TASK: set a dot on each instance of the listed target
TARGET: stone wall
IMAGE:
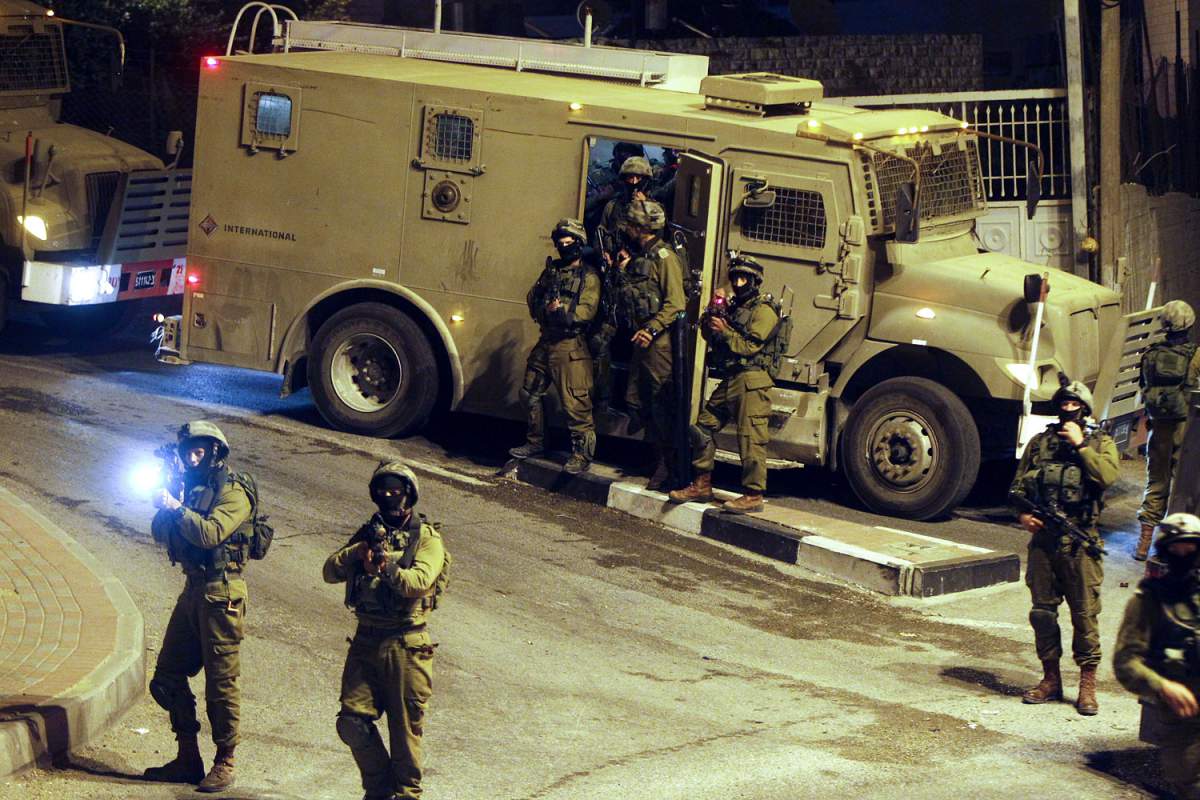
(849, 65)
(1160, 230)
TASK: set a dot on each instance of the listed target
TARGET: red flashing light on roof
(193, 279)
(211, 62)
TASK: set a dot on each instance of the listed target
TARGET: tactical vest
(640, 297)
(231, 554)
(565, 283)
(1058, 476)
(373, 594)
(1174, 642)
(1164, 375)
(725, 363)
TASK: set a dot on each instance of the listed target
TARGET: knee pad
(166, 692)
(356, 731)
(1042, 617)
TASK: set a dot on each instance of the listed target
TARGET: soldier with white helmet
(1157, 655)
(203, 530)
(394, 567)
(1170, 370)
(1068, 466)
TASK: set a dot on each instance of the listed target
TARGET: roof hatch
(760, 93)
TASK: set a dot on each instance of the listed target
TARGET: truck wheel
(910, 449)
(372, 371)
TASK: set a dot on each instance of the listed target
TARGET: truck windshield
(951, 184)
(31, 60)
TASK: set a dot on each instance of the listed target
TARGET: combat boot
(220, 777)
(699, 490)
(527, 450)
(1143, 545)
(749, 503)
(1048, 689)
(660, 477)
(186, 767)
(1087, 704)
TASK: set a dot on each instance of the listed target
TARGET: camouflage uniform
(1156, 643)
(207, 537)
(1167, 429)
(1058, 569)
(389, 667)
(649, 296)
(561, 357)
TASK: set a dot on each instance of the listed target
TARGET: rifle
(681, 466)
(1054, 518)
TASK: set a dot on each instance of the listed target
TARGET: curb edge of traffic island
(806, 547)
(47, 730)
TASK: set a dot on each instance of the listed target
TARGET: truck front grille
(101, 186)
(950, 180)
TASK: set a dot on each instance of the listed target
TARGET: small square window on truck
(271, 118)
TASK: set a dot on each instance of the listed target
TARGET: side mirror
(1033, 187)
(908, 228)
(1036, 288)
(173, 148)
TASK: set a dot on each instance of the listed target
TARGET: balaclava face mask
(569, 249)
(395, 508)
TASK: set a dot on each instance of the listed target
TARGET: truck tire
(372, 371)
(910, 449)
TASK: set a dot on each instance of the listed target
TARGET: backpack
(1164, 372)
(776, 345)
(256, 540)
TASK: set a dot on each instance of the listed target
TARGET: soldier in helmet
(392, 567)
(1156, 655)
(636, 176)
(649, 296)
(1169, 372)
(604, 182)
(202, 529)
(738, 355)
(563, 301)
(1069, 464)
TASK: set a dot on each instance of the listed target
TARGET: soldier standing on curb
(1170, 370)
(206, 626)
(740, 357)
(650, 294)
(394, 567)
(1067, 466)
(1156, 656)
(563, 301)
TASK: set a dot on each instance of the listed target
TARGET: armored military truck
(85, 220)
(371, 205)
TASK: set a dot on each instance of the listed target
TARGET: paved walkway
(71, 650)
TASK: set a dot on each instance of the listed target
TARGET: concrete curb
(35, 728)
(886, 560)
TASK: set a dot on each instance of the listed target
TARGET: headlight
(35, 225)
(86, 284)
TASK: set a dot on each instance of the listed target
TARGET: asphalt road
(583, 654)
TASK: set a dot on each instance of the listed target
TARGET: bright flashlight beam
(145, 478)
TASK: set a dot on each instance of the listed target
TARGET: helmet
(1072, 390)
(1177, 316)
(202, 429)
(645, 214)
(746, 265)
(636, 165)
(569, 227)
(1178, 527)
(396, 469)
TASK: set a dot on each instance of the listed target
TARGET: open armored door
(696, 228)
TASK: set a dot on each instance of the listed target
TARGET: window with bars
(797, 219)
(32, 61)
(452, 138)
(273, 114)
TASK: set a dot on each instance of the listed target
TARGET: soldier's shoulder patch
(663, 253)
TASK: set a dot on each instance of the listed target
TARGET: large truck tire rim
(910, 448)
(366, 372)
(903, 451)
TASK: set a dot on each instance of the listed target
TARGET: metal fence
(1037, 116)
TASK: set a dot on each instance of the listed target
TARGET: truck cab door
(695, 228)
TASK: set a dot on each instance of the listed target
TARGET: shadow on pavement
(982, 678)
(1135, 766)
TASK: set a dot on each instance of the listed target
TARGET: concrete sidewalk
(883, 559)
(72, 657)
